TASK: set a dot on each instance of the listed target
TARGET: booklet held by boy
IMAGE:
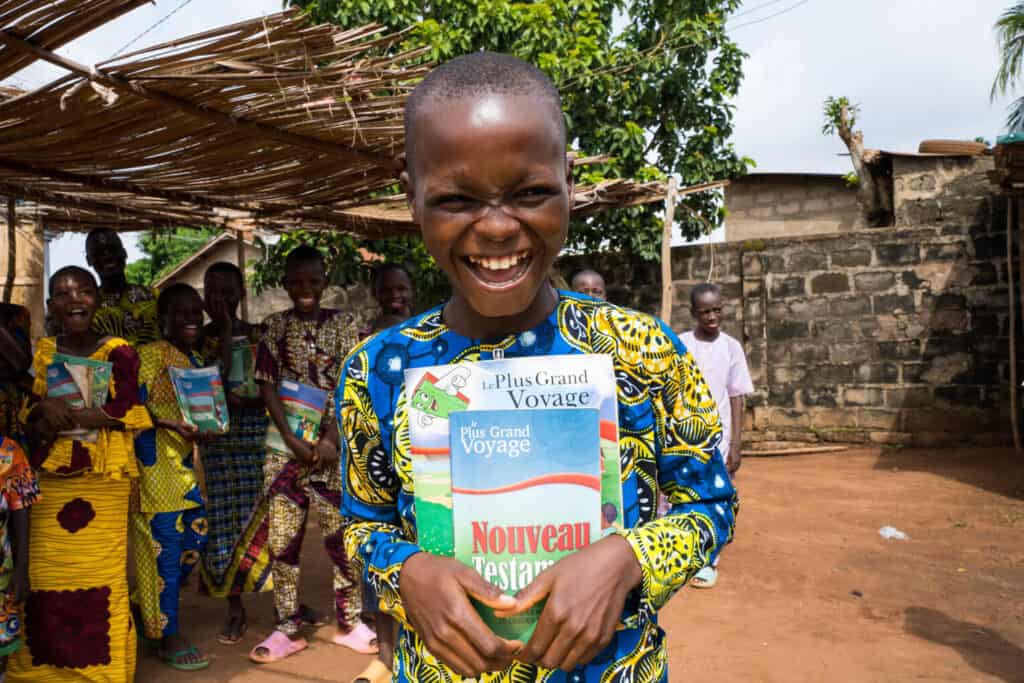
(303, 408)
(200, 394)
(559, 382)
(526, 492)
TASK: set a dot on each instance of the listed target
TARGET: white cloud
(919, 68)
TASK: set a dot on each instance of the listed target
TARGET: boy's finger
(539, 642)
(538, 589)
(486, 592)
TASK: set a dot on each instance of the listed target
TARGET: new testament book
(303, 408)
(200, 394)
(526, 492)
(100, 373)
(557, 382)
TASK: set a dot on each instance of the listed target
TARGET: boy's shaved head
(478, 74)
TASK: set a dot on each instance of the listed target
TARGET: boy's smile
(305, 284)
(489, 185)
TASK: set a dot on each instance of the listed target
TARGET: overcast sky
(919, 69)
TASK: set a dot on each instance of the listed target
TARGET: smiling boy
(488, 183)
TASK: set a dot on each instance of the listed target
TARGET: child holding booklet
(488, 183)
(237, 558)
(78, 571)
(305, 345)
(168, 531)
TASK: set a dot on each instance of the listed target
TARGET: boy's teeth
(498, 262)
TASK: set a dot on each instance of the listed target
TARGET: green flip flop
(174, 660)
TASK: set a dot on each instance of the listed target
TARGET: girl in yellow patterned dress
(168, 532)
(79, 561)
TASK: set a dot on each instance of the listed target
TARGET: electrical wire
(181, 6)
(755, 8)
(770, 16)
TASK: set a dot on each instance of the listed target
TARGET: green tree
(1010, 37)
(647, 81)
(164, 250)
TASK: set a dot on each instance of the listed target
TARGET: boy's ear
(410, 194)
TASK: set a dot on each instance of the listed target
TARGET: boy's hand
(302, 450)
(435, 593)
(585, 592)
(735, 458)
(20, 585)
(327, 452)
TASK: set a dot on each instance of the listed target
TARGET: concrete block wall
(787, 205)
(894, 335)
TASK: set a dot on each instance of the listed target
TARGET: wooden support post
(240, 257)
(1012, 220)
(666, 252)
(12, 250)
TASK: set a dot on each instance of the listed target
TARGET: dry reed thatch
(272, 122)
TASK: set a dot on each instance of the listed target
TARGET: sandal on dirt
(311, 617)
(279, 646)
(174, 660)
(232, 634)
(377, 672)
(705, 578)
(360, 639)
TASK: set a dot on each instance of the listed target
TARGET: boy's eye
(453, 202)
(534, 195)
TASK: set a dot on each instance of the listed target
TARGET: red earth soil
(808, 591)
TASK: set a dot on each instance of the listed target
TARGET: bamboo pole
(12, 250)
(666, 252)
(1012, 218)
(240, 257)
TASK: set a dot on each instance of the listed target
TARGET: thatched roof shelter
(273, 122)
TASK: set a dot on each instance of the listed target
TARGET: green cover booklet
(526, 492)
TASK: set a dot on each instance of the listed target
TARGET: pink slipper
(361, 639)
(279, 646)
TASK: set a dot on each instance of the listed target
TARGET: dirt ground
(809, 590)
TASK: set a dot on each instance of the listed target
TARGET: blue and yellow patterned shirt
(669, 433)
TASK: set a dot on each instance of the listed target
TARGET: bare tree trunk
(874, 190)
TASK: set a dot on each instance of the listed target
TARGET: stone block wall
(768, 205)
(894, 335)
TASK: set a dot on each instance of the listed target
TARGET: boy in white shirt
(724, 366)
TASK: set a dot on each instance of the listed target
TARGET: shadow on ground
(982, 648)
(997, 470)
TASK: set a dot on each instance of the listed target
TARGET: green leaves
(834, 111)
(647, 81)
(165, 250)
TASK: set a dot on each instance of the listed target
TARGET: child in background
(15, 360)
(305, 344)
(19, 489)
(591, 283)
(79, 558)
(168, 531)
(724, 366)
(237, 556)
(488, 182)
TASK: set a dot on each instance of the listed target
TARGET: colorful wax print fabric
(669, 434)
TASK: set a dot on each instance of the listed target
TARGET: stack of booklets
(200, 394)
(82, 383)
(515, 465)
(303, 408)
